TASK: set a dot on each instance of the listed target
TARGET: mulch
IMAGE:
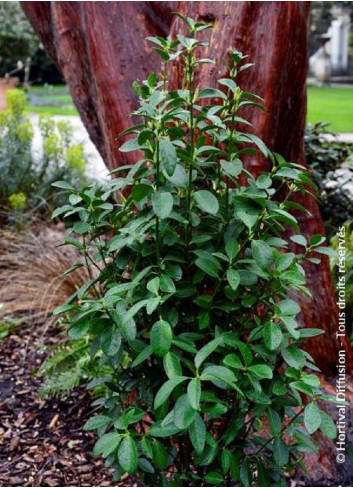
(42, 442)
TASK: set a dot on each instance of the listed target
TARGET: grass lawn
(39, 109)
(333, 105)
(51, 100)
(325, 104)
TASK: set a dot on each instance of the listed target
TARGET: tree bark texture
(101, 49)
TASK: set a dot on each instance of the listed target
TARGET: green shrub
(190, 306)
(330, 163)
(17, 201)
(26, 180)
(322, 154)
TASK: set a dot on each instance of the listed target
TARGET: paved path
(346, 137)
(95, 165)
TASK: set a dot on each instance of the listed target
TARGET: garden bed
(41, 441)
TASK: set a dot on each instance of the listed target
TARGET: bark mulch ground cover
(42, 442)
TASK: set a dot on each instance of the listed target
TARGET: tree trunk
(101, 48)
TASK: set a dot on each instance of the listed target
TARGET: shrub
(190, 278)
(331, 166)
(17, 201)
(26, 179)
(324, 154)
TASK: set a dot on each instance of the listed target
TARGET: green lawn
(39, 109)
(51, 100)
(333, 105)
(325, 104)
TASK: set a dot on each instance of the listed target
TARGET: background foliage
(18, 42)
(27, 175)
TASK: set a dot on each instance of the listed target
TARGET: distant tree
(19, 43)
(18, 40)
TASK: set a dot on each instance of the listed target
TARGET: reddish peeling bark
(101, 48)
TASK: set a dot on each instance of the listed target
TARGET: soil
(42, 442)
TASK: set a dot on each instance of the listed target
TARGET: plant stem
(158, 251)
(281, 432)
(229, 158)
(189, 191)
(87, 257)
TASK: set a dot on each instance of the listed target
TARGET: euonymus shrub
(188, 298)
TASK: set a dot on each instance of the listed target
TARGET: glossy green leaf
(127, 455)
(172, 365)
(146, 447)
(206, 201)
(141, 191)
(161, 337)
(206, 351)
(274, 421)
(232, 168)
(162, 203)
(284, 261)
(246, 210)
(161, 430)
(327, 426)
(96, 422)
(142, 356)
(194, 393)
(294, 357)
(298, 239)
(197, 433)
(166, 389)
(233, 278)
(107, 444)
(262, 253)
(272, 335)
(79, 329)
(208, 263)
(184, 413)
(131, 145)
(111, 342)
(159, 455)
(288, 307)
(145, 465)
(262, 371)
(233, 361)
(63, 185)
(232, 248)
(219, 373)
(214, 478)
(312, 417)
(310, 332)
(280, 452)
(168, 156)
